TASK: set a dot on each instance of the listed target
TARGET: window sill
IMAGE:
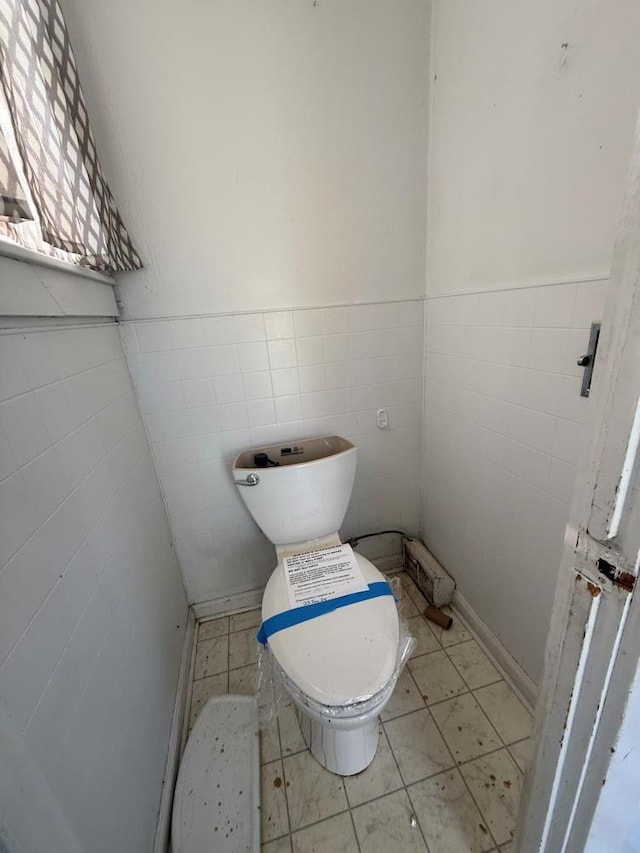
(20, 253)
(32, 285)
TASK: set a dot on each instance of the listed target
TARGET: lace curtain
(53, 195)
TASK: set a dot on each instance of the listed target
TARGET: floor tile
(402, 576)
(465, 728)
(243, 648)
(425, 638)
(406, 607)
(243, 680)
(406, 697)
(380, 777)
(313, 793)
(290, 733)
(417, 597)
(334, 835)
(436, 677)
(273, 812)
(473, 665)
(384, 826)
(448, 815)
(212, 656)
(496, 783)
(281, 845)
(418, 746)
(457, 633)
(213, 628)
(441, 752)
(269, 743)
(243, 621)
(521, 753)
(506, 712)
(203, 689)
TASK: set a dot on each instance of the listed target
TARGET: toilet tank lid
(344, 656)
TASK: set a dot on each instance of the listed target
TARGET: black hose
(355, 539)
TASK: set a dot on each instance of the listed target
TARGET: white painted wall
(503, 433)
(267, 156)
(212, 386)
(530, 140)
(264, 155)
(273, 156)
(92, 610)
(529, 143)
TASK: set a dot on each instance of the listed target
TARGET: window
(53, 195)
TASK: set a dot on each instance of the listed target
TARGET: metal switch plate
(588, 359)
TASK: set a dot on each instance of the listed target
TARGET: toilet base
(345, 751)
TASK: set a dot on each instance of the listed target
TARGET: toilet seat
(216, 803)
(340, 658)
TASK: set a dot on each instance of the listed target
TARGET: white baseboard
(176, 737)
(514, 673)
(228, 604)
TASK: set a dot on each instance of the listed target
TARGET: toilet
(339, 668)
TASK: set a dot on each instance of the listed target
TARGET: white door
(594, 640)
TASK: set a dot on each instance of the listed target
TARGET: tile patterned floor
(448, 772)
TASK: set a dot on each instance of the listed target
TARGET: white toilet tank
(305, 495)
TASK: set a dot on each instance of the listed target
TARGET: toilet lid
(216, 803)
(340, 657)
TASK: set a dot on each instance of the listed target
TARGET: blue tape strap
(311, 611)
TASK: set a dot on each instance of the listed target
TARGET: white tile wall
(211, 386)
(503, 432)
(92, 609)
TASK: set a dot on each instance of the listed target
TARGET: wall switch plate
(382, 419)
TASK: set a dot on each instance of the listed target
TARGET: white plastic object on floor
(216, 805)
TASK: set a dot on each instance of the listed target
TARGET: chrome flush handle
(252, 480)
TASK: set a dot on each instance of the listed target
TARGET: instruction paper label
(321, 575)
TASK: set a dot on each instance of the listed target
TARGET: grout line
(526, 368)
(495, 464)
(104, 509)
(54, 443)
(355, 831)
(488, 826)
(62, 378)
(284, 779)
(88, 604)
(485, 822)
(471, 760)
(404, 787)
(507, 402)
(262, 311)
(530, 327)
(590, 279)
(316, 822)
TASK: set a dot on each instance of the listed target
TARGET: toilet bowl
(339, 668)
